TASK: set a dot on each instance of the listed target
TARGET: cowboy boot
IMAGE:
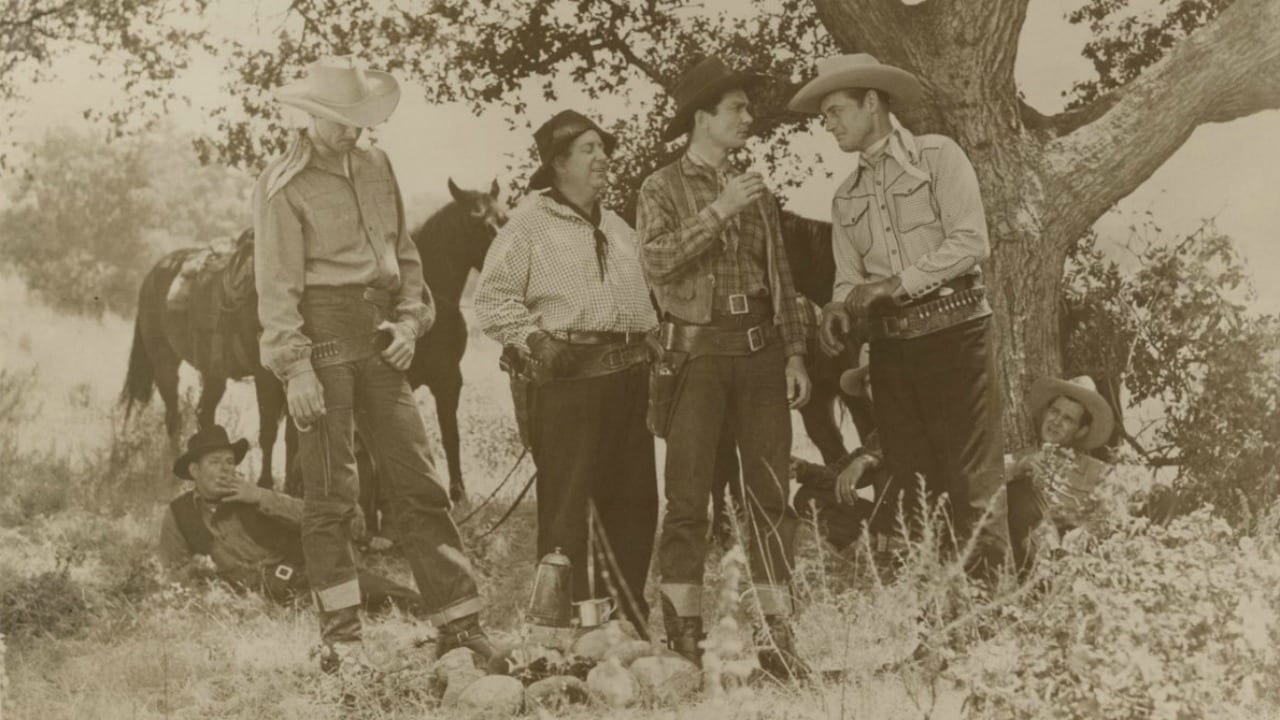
(777, 653)
(684, 634)
(466, 632)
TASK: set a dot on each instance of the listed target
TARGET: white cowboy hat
(1082, 390)
(840, 72)
(343, 92)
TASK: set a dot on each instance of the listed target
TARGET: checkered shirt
(735, 247)
(542, 274)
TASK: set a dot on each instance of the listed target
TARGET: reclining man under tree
(253, 535)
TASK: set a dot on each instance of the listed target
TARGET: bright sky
(1229, 171)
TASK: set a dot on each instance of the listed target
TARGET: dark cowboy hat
(1082, 390)
(204, 442)
(555, 136)
(708, 79)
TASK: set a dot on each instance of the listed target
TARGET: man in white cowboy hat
(734, 333)
(908, 234)
(562, 281)
(1053, 480)
(342, 301)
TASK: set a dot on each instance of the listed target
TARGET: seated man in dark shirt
(829, 495)
(253, 535)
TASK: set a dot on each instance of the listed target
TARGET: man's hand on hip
(865, 297)
(798, 385)
(306, 399)
(399, 354)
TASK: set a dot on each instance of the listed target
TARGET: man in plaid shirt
(734, 332)
(562, 281)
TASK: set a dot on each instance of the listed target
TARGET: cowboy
(829, 494)
(908, 234)
(1053, 480)
(341, 301)
(563, 284)
(253, 535)
(734, 334)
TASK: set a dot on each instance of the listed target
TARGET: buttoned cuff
(298, 367)
(916, 282)
(712, 220)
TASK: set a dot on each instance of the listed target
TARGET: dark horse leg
(447, 390)
(211, 391)
(270, 392)
(166, 362)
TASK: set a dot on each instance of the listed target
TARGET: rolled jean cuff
(774, 599)
(336, 597)
(685, 599)
(456, 611)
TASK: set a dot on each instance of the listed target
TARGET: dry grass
(95, 631)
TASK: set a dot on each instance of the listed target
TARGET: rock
(666, 678)
(460, 680)
(595, 643)
(628, 651)
(612, 684)
(496, 695)
(456, 659)
(556, 692)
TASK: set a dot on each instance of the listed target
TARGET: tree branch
(1223, 71)
(1065, 122)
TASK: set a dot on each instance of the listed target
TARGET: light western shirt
(912, 209)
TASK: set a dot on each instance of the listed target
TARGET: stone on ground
(456, 659)
(460, 680)
(612, 684)
(495, 695)
(666, 678)
(628, 651)
(556, 692)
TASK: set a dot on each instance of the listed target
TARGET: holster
(666, 378)
(517, 365)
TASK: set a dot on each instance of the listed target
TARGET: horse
(452, 243)
(216, 333)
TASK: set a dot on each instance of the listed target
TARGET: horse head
(482, 215)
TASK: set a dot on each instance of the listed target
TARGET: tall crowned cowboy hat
(1082, 390)
(841, 72)
(555, 136)
(205, 441)
(707, 79)
(342, 91)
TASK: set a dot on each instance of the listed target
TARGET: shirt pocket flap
(852, 209)
(913, 202)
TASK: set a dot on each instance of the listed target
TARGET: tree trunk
(1046, 180)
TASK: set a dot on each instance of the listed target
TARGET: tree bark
(1046, 180)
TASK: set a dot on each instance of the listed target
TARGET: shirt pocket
(913, 203)
(852, 214)
(334, 222)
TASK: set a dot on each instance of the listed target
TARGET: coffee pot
(550, 604)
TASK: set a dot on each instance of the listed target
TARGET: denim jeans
(745, 397)
(376, 395)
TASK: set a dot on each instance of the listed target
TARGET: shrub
(49, 604)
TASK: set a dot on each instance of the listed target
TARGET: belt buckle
(283, 572)
(755, 337)
(738, 304)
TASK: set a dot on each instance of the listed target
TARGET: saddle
(211, 308)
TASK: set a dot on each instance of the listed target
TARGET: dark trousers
(746, 397)
(938, 409)
(590, 442)
(397, 440)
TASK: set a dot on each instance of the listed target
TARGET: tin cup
(594, 612)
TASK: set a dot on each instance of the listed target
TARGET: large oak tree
(1046, 178)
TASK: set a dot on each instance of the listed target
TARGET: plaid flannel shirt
(734, 249)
